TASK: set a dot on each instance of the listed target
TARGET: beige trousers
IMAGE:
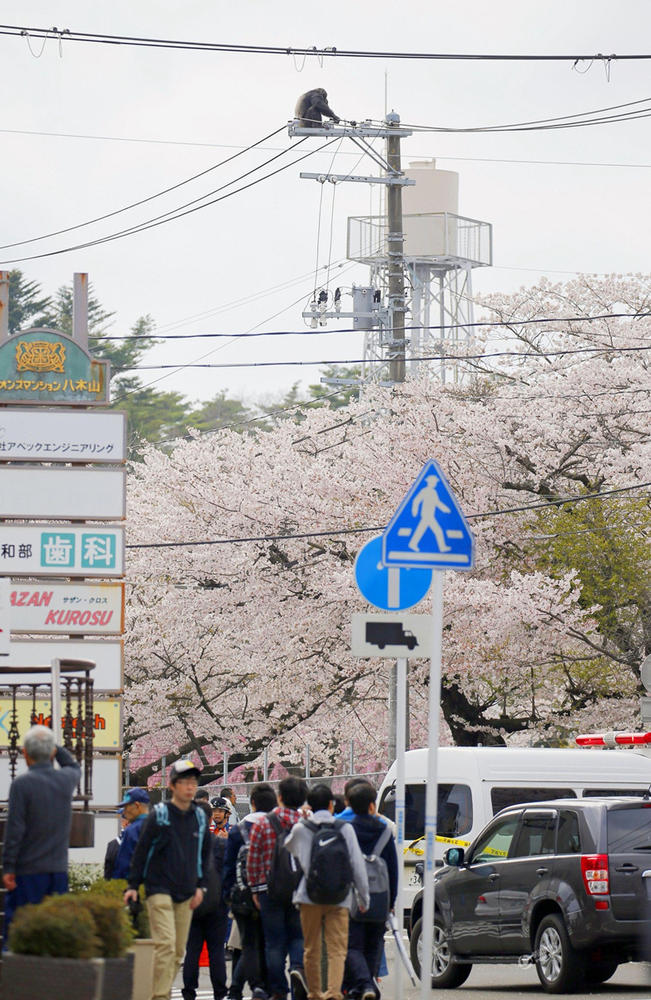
(334, 920)
(170, 925)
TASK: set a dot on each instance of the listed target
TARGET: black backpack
(330, 874)
(284, 873)
(241, 901)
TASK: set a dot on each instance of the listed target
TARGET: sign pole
(55, 681)
(431, 803)
(401, 733)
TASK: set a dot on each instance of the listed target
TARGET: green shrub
(59, 926)
(111, 920)
(115, 889)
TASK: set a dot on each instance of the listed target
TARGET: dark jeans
(251, 967)
(212, 930)
(32, 889)
(281, 926)
(363, 959)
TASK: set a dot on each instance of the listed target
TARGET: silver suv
(565, 884)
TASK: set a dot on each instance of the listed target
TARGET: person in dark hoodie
(209, 924)
(172, 858)
(134, 806)
(251, 966)
(365, 938)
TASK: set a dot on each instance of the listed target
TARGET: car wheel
(560, 968)
(599, 972)
(446, 974)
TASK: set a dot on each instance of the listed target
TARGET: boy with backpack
(237, 893)
(333, 874)
(273, 877)
(172, 858)
(366, 930)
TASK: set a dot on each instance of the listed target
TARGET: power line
(143, 201)
(320, 53)
(381, 528)
(538, 355)
(344, 152)
(445, 326)
(162, 220)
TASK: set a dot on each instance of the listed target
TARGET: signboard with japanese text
(84, 494)
(51, 608)
(61, 550)
(106, 719)
(45, 367)
(62, 436)
(107, 654)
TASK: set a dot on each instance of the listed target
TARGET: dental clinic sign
(61, 550)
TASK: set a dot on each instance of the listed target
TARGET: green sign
(46, 367)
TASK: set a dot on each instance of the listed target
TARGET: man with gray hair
(35, 852)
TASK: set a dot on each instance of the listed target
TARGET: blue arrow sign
(428, 529)
(390, 589)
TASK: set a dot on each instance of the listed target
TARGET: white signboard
(394, 636)
(107, 654)
(5, 627)
(51, 608)
(61, 550)
(107, 780)
(62, 436)
(92, 494)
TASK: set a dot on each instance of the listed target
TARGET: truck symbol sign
(383, 634)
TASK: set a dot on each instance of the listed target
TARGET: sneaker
(369, 994)
(299, 986)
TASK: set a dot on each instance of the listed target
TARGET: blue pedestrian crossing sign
(428, 529)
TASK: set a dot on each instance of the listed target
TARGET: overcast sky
(131, 122)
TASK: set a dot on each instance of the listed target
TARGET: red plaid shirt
(261, 847)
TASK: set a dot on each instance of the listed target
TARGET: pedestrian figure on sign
(428, 501)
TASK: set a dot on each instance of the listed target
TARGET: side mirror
(454, 857)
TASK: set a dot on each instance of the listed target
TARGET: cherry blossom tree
(241, 575)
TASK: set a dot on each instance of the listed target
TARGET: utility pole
(395, 249)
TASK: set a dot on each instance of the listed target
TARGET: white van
(474, 783)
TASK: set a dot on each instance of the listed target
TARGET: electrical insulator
(377, 295)
(313, 319)
(337, 299)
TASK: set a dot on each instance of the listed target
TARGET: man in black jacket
(209, 923)
(172, 858)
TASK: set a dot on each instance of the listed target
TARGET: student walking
(272, 883)
(210, 924)
(251, 966)
(366, 930)
(333, 873)
(172, 858)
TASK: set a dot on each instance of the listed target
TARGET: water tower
(441, 248)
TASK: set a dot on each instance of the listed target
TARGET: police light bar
(613, 739)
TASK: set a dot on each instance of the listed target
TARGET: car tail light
(594, 868)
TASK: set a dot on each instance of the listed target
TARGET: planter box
(143, 968)
(28, 977)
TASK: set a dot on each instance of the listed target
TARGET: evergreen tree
(27, 305)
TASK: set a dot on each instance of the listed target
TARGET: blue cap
(134, 795)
